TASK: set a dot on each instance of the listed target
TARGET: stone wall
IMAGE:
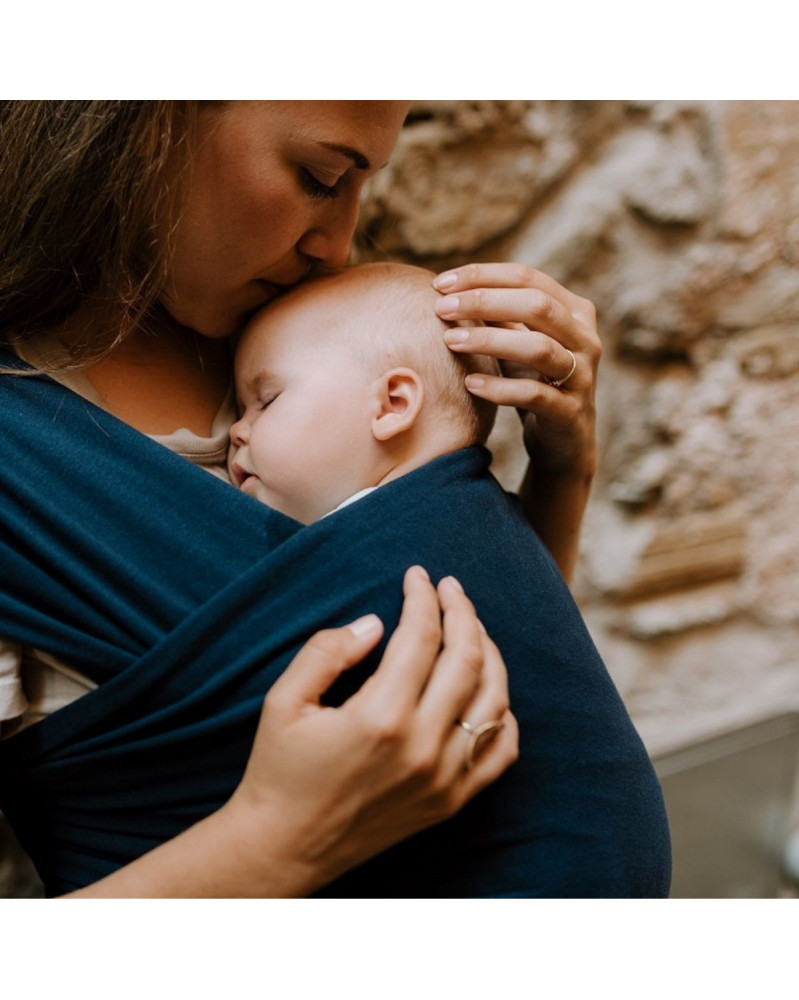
(680, 220)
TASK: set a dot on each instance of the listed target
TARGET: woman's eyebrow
(359, 160)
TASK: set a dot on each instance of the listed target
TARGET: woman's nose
(329, 239)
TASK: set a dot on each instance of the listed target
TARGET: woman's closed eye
(315, 187)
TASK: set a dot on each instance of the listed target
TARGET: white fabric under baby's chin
(349, 500)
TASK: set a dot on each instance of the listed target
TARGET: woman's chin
(215, 322)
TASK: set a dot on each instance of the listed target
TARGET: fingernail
(453, 583)
(456, 335)
(448, 306)
(365, 625)
(421, 571)
(445, 280)
(474, 381)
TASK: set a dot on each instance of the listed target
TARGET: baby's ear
(400, 395)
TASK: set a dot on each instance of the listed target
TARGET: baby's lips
(249, 483)
(238, 474)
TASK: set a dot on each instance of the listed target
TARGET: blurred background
(680, 220)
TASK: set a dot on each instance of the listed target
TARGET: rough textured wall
(681, 221)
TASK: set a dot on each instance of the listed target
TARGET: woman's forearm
(216, 858)
(554, 505)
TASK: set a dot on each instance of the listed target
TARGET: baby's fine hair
(405, 331)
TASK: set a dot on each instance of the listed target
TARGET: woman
(138, 238)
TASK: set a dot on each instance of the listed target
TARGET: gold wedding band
(475, 734)
(556, 383)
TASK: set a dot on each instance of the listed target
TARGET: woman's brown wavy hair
(89, 195)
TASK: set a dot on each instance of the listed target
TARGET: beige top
(34, 684)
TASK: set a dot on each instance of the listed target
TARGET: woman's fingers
(320, 661)
(440, 668)
(517, 345)
(489, 704)
(509, 275)
(459, 670)
(491, 700)
(411, 653)
(533, 307)
(536, 326)
(510, 293)
(529, 395)
(493, 760)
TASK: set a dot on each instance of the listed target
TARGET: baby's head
(344, 383)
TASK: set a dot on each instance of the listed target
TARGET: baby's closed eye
(267, 401)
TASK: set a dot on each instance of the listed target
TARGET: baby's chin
(291, 507)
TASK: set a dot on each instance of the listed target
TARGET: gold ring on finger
(477, 739)
(556, 383)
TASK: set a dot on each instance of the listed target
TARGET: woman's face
(273, 193)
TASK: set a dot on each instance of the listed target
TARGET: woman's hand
(327, 788)
(534, 324)
(536, 328)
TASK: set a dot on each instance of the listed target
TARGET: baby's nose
(238, 433)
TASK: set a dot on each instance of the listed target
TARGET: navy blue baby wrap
(185, 599)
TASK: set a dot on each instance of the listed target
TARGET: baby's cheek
(231, 451)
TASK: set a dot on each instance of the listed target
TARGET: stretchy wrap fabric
(184, 600)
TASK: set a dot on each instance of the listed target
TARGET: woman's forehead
(345, 123)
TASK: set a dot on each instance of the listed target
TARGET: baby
(344, 384)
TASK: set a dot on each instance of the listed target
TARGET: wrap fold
(185, 599)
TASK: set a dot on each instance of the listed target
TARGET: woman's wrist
(566, 464)
(269, 863)
(545, 488)
(554, 503)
